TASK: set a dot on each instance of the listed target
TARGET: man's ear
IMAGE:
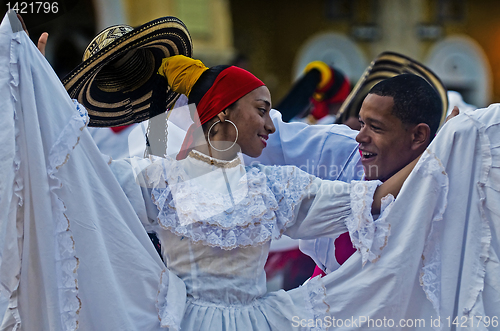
(420, 136)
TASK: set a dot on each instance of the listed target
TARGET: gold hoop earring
(222, 150)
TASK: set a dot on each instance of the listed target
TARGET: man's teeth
(368, 154)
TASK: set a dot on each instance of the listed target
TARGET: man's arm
(326, 151)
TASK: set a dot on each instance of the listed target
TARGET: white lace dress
(215, 220)
(74, 254)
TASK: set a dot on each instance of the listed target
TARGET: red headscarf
(230, 85)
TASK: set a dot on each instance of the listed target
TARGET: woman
(214, 216)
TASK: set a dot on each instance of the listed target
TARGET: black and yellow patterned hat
(387, 65)
(118, 82)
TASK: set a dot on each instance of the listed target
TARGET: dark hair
(201, 87)
(415, 100)
(204, 83)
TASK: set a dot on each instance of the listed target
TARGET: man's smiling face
(384, 141)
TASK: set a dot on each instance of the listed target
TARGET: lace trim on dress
(66, 260)
(171, 290)
(316, 305)
(65, 255)
(367, 235)
(264, 205)
(430, 274)
(10, 277)
(487, 151)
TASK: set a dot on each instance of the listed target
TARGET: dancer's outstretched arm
(392, 185)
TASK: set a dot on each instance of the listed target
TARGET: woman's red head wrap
(230, 85)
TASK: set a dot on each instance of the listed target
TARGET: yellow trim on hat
(181, 72)
(324, 69)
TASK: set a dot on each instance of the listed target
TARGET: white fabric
(469, 148)
(66, 223)
(441, 259)
(73, 252)
(326, 151)
(232, 214)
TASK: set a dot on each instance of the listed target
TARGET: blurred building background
(275, 39)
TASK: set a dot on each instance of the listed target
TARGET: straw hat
(118, 81)
(387, 65)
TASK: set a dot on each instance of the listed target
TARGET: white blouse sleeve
(323, 211)
(309, 207)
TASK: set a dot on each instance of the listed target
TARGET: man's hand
(42, 41)
(453, 113)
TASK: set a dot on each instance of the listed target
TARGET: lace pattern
(367, 235)
(265, 205)
(316, 305)
(430, 274)
(66, 260)
(170, 315)
(488, 158)
(10, 278)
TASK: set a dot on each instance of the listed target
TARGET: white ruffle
(65, 257)
(18, 192)
(316, 305)
(488, 172)
(171, 301)
(430, 275)
(368, 236)
(66, 260)
(265, 205)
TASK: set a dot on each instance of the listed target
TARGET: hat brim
(387, 65)
(112, 101)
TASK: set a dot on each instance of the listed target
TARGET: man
(399, 118)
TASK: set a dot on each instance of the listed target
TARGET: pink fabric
(343, 250)
(318, 272)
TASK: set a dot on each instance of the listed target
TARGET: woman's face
(250, 114)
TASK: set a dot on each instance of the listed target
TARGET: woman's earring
(234, 143)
